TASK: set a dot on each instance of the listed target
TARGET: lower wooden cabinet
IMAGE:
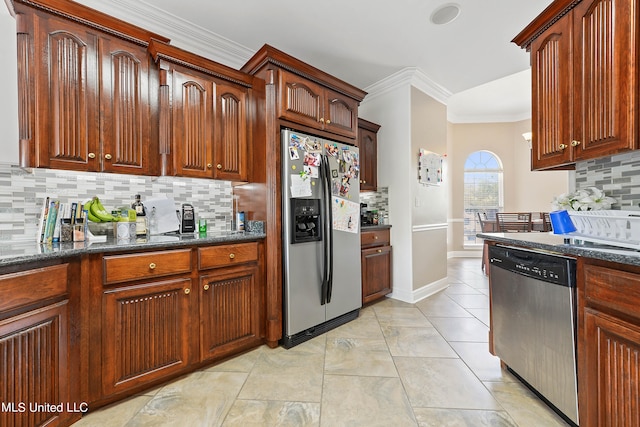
(145, 333)
(376, 264)
(230, 312)
(36, 352)
(609, 345)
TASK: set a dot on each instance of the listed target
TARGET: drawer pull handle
(187, 291)
(379, 251)
(375, 237)
(232, 256)
(206, 287)
(152, 266)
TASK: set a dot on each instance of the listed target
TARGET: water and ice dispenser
(306, 220)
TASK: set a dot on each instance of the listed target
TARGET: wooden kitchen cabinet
(584, 80)
(368, 145)
(145, 319)
(87, 90)
(39, 362)
(609, 344)
(376, 263)
(305, 102)
(230, 299)
(204, 115)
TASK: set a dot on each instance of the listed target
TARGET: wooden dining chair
(546, 221)
(513, 222)
(487, 226)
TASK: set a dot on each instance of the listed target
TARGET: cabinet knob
(364, 182)
(209, 165)
(375, 237)
(218, 166)
(206, 287)
(92, 155)
(321, 119)
(187, 291)
(152, 266)
(328, 121)
(563, 146)
(575, 143)
(107, 156)
(379, 251)
(232, 256)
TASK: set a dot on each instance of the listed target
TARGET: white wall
(391, 111)
(8, 88)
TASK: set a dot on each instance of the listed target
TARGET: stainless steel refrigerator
(321, 235)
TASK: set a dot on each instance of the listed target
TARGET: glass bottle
(141, 217)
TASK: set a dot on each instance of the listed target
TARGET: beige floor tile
(241, 363)
(483, 364)
(482, 314)
(260, 413)
(364, 401)
(440, 305)
(354, 356)
(460, 288)
(400, 316)
(202, 398)
(416, 342)
(523, 406)
(115, 415)
(288, 375)
(362, 327)
(429, 417)
(443, 383)
(461, 329)
(471, 301)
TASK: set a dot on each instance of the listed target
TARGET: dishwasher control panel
(548, 267)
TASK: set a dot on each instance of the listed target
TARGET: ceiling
(483, 75)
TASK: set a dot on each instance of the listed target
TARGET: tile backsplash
(377, 200)
(22, 192)
(618, 176)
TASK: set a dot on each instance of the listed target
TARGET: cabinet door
(66, 113)
(612, 367)
(193, 124)
(35, 366)
(125, 105)
(340, 114)
(231, 139)
(376, 273)
(145, 333)
(606, 86)
(367, 141)
(301, 100)
(230, 310)
(551, 76)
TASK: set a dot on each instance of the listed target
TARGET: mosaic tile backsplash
(22, 192)
(618, 176)
(377, 200)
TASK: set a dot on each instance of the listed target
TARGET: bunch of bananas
(96, 212)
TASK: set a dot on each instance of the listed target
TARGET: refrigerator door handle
(325, 261)
(329, 227)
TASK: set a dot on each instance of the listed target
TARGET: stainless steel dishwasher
(533, 309)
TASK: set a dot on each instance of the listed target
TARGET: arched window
(482, 191)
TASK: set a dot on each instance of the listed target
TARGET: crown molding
(183, 34)
(410, 76)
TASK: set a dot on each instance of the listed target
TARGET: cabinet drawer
(224, 256)
(123, 268)
(27, 287)
(375, 238)
(608, 287)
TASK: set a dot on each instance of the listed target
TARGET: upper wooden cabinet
(87, 90)
(306, 95)
(368, 144)
(205, 115)
(584, 80)
(303, 101)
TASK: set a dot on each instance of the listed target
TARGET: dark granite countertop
(12, 253)
(375, 227)
(556, 243)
